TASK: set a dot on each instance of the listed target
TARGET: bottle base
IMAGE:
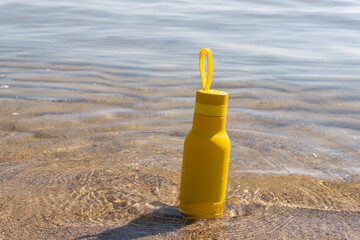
(202, 210)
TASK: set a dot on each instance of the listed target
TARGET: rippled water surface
(96, 98)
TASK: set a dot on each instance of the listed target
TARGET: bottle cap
(209, 102)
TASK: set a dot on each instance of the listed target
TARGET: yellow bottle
(206, 151)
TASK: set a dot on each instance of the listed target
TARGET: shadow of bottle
(164, 219)
(161, 220)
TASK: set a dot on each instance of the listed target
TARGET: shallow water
(96, 100)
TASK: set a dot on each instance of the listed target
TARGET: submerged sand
(98, 156)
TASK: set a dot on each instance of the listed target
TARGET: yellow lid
(212, 97)
(209, 102)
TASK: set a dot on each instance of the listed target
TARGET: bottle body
(205, 168)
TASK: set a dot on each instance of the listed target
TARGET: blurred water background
(96, 98)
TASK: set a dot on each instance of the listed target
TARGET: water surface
(96, 100)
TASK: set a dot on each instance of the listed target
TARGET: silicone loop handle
(206, 80)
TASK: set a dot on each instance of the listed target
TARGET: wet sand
(98, 156)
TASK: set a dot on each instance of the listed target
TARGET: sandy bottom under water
(88, 157)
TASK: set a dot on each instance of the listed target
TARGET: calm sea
(96, 98)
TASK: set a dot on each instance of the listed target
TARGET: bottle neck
(209, 124)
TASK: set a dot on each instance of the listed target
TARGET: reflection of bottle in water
(206, 155)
